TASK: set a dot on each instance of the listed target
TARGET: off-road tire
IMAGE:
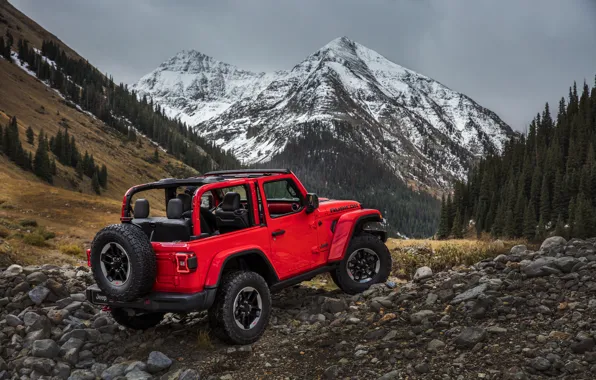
(143, 267)
(136, 322)
(340, 274)
(221, 316)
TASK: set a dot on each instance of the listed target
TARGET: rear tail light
(88, 257)
(186, 262)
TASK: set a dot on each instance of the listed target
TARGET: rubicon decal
(343, 208)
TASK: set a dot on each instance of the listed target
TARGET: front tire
(240, 313)
(367, 261)
(137, 321)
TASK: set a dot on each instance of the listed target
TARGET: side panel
(345, 228)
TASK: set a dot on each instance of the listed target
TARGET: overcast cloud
(511, 56)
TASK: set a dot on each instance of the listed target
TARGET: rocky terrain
(525, 315)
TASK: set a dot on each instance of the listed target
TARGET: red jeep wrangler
(228, 239)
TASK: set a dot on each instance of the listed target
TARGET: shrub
(47, 234)
(204, 341)
(28, 223)
(4, 232)
(71, 249)
(35, 239)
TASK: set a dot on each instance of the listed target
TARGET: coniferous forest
(119, 107)
(543, 183)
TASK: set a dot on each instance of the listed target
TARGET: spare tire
(123, 262)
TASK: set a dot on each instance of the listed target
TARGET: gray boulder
(158, 361)
(423, 273)
(470, 336)
(39, 294)
(470, 294)
(552, 242)
(45, 348)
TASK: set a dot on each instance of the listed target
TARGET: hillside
(70, 208)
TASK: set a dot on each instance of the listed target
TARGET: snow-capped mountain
(420, 129)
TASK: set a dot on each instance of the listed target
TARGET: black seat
(230, 216)
(141, 217)
(174, 227)
(186, 205)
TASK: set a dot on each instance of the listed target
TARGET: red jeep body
(287, 240)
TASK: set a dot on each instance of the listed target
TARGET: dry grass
(204, 340)
(439, 255)
(71, 249)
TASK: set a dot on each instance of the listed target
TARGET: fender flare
(220, 260)
(345, 227)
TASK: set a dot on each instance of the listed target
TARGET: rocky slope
(525, 315)
(422, 130)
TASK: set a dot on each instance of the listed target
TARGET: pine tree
(103, 176)
(30, 135)
(155, 156)
(510, 228)
(456, 230)
(95, 183)
(42, 164)
(79, 169)
(444, 221)
(529, 223)
(544, 201)
(560, 227)
(499, 222)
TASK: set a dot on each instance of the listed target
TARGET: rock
(418, 317)
(422, 368)
(138, 375)
(189, 374)
(136, 365)
(423, 273)
(45, 348)
(582, 346)
(333, 305)
(39, 294)
(41, 365)
(57, 316)
(515, 373)
(501, 259)
(431, 298)
(552, 242)
(540, 364)
(435, 345)
(83, 374)
(470, 336)
(36, 278)
(62, 370)
(470, 294)
(331, 372)
(537, 267)
(518, 250)
(12, 271)
(114, 371)
(158, 362)
(496, 330)
(389, 375)
(13, 320)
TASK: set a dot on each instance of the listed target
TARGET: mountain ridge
(426, 133)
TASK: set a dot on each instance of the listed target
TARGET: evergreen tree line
(6, 46)
(62, 146)
(119, 107)
(334, 169)
(544, 181)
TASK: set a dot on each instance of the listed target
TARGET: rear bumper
(158, 301)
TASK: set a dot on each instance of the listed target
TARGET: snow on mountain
(421, 129)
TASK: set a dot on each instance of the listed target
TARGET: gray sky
(511, 56)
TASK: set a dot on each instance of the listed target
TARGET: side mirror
(312, 202)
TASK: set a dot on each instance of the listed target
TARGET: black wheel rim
(363, 264)
(115, 264)
(247, 308)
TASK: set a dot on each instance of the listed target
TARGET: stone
(518, 250)
(501, 259)
(189, 374)
(470, 336)
(136, 365)
(45, 348)
(57, 316)
(496, 330)
(83, 374)
(565, 264)
(582, 346)
(138, 375)
(390, 375)
(114, 371)
(423, 273)
(540, 364)
(470, 294)
(331, 372)
(536, 267)
(39, 294)
(418, 317)
(422, 368)
(333, 305)
(13, 320)
(431, 298)
(12, 271)
(435, 345)
(552, 242)
(62, 370)
(36, 278)
(41, 365)
(158, 362)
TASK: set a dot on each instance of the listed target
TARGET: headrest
(141, 209)
(231, 202)
(175, 209)
(186, 201)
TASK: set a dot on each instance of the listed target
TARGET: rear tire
(367, 261)
(123, 262)
(138, 321)
(240, 313)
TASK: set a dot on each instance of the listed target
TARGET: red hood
(328, 206)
